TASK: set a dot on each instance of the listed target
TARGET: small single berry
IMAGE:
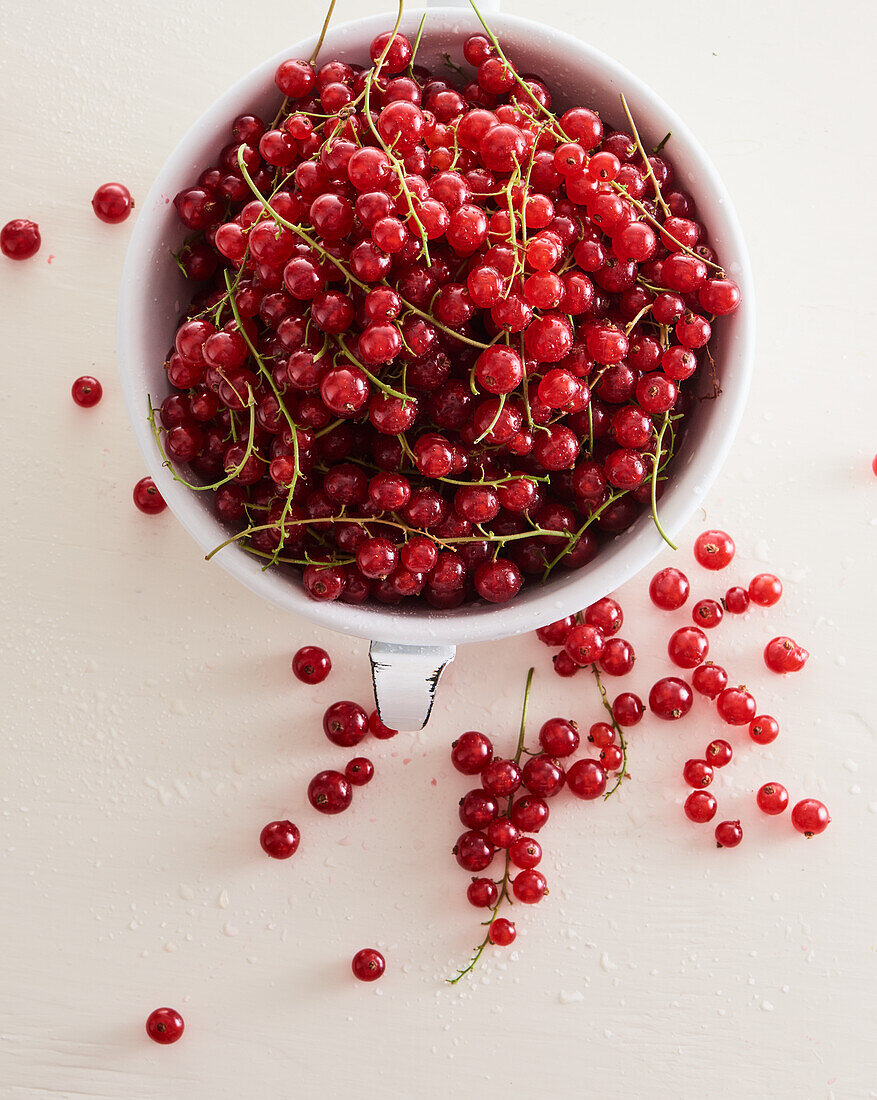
(728, 834)
(377, 728)
(627, 709)
(345, 723)
(669, 589)
(688, 647)
(164, 1025)
(311, 664)
(368, 965)
(784, 655)
(586, 779)
(330, 792)
(670, 698)
(735, 706)
(719, 753)
(810, 817)
(765, 589)
(20, 239)
(697, 773)
(707, 613)
(559, 737)
(359, 771)
(147, 498)
(529, 887)
(763, 729)
(709, 679)
(700, 807)
(772, 798)
(86, 391)
(737, 600)
(280, 839)
(714, 549)
(112, 202)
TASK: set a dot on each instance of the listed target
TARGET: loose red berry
(784, 655)
(707, 613)
(810, 817)
(765, 589)
(359, 771)
(20, 239)
(714, 549)
(368, 965)
(627, 709)
(763, 729)
(697, 773)
(728, 834)
(586, 779)
(377, 728)
(112, 202)
(474, 851)
(606, 615)
(86, 391)
(718, 753)
(147, 498)
(669, 589)
(311, 664)
(700, 807)
(772, 798)
(345, 723)
(688, 647)
(330, 792)
(737, 600)
(735, 706)
(584, 644)
(280, 839)
(164, 1025)
(559, 737)
(670, 698)
(709, 679)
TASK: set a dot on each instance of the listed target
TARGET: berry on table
(728, 834)
(670, 698)
(559, 737)
(473, 850)
(586, 779)
(709, 679)
(627, 709)
(784, 655)
(368, 965)
(763, 729)
(735, 706)
(554, 634)
(700, 807)
(669, 589)
(359, 771)
(525, 852)
(345, 723)
(377, 728)
(86, 391)
(164, 1025)
(311, 664)
(707, 613)
(718, 753)
(810, 817)
(20, 239)
(502, 932)
(584, 644)
(471, 753)
(280, 839)
(737, 600)
(112, 202)
(330, 792)
(714, 549)
(697, 773)
(529, 813)
(606, 615)
(765, 589)
(772, 798)
(147, 497)
(688, 647)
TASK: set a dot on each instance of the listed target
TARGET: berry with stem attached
(735, 706)
(772, 798)
(330, 792)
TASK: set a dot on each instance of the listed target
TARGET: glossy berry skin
(627, 709)
(697, 773)
(763, 729)
(529, 814)
(502, 833)
(735, 706)
(810, 817)
(359, 771)
(601, 734)
(784, 655)
(543, 776)
(164, 1025)
(345, 723)
(554, 634)
(501, 778)
(700, 807)
(586, 779)
(709, 679)
(86, 391)
(728, 834)
(669, 589)
(368, 965)
(311, 664)
(617, 658)
(584, 644)
(670, 698)
(606, 615)
(718, 753)
(611, 757)
(737, 600)
(688, 647)
(478, 808)
(20, 239)
(529, 887)
(559, 737)
(482, 893)
(707, 614)
(147, 498)
(772, 798)
(564, 665)
(112, 203)
(714, 550)
(378, 729)
(471, 753)
(280, 839)
(474, 851)
(502, 932)
(525, 852)
(765, 589)
(330, 792)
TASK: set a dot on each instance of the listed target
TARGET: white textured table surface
(151, 724)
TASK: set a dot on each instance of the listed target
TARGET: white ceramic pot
(412, 645)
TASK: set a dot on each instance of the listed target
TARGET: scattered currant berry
(586, 779)
(564, 665)
(20, 239)
(502, 932)
(112, 202)
(559, 737)
(86, 391)
(529, 886)
(482, 893)
(164, 1025)
(627, 709)
(737, 600)
(714, 549)
(280, 839)
(617, 658)
(810, 817)
(772, 798)
(606, 615)
(147, 498)
(377, 728)
(784, 655)
(688, 647)
(709, 679)
(735, 706)
(670, 698)
(697, 773)
(345, 723)
(368, 965)
(700, 807)
(584, 644)
(763, 729)
(718, 753)
(765, 589)
(359, 771)
(311, 664)
(471, 753)
(707, 613)
(330, 792)
(728, 834)
(669, 589)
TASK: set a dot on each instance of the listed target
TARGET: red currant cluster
(441, 334)
(500, 819)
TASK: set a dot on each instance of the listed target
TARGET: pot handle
(484, 6)
(405, 678)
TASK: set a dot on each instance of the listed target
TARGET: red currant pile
(442, 336)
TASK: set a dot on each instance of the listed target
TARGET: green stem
(622, 774)
(656, 465)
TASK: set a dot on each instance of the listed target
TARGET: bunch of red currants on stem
(443, 339)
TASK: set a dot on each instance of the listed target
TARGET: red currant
(330, 792)
(147, 498)
(669, 589)
(718, 753)
(86, 391)
(368, 965)
(810, 817)
(772, 798)
(280, 839)
(112, 202)
(784, 655)
(164, 1025)
(502, 932)
(765, 589)
(471, 753)
(735, 706)
(311, 664)
(670, 698)
(700, 807)
(728, 834)
(763, 729)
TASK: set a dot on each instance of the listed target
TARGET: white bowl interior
(154, 293)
